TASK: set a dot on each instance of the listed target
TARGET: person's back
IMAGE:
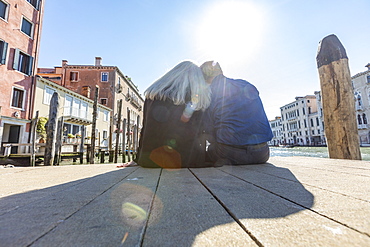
(235, 121)
(237, 112)
(173, 108)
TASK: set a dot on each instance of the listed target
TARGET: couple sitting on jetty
(191, 104)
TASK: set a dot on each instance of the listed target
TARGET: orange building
(20, 29)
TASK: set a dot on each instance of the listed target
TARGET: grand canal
(321, 152)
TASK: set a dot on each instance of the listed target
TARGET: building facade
(76, 111)
(276, 128)
(113, 86)
(361, 88)
(20, 29)
(301, 123)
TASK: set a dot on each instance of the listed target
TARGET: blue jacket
(236, 115)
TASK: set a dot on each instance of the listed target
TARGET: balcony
(133, 100)
(362, 126)
(359, 107)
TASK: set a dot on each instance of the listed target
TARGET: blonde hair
(211, 69)
(184, 80)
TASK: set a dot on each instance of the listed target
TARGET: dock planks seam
(83, 206)
(298, 204)
(232, 215)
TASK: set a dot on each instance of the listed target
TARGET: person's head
(184, 80)
(210, 70)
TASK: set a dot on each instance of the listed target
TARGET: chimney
(86, 91)
(97, 61)
(368, 66)
(64, 63)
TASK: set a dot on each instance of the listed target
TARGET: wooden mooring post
(93, 128)
(118, 130)
(337, 100)
(51, 131)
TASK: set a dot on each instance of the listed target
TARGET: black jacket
(168, 142)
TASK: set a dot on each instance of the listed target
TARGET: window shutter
(30, 63)
(3, 53)
(37, 4)
(16, 59)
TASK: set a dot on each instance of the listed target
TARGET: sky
(270, 43)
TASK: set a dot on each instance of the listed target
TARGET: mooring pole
(337, 100)
(119, 107)
(51, 131)
(93, 127)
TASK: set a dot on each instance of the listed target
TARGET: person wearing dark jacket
(235, 123)
(172, 121)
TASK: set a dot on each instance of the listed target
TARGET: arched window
(359, 100)
(364, 118)
(359, 119)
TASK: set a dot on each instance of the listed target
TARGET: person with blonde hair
(173, 112)
(235, 123)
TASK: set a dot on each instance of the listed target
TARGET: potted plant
(70, 136)
(41, 129)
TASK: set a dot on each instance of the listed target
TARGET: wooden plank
(31, 221)
(185, 214)
(275, 220)
(342, 208)
(115, 218)
(309, 171)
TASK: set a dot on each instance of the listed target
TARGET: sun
(230, 31)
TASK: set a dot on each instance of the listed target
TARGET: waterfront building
(301, 124)
(20, 29)
(361, 88)
(76, 110)
(113, 86)
(276, 128)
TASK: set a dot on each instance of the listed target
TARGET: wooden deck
(291, 201)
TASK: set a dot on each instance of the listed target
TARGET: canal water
(321, 152)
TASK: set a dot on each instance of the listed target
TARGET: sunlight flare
(230, 31)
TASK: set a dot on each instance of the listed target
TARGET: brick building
(20, 28)
(113, 86)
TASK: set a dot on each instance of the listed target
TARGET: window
(317, 122)
(22, 62)
(364, 118)
(368, 79)
(105, 134)
(104, 76)
(74, 76)
(3, 51)
(359, 119)
(27, 27)
(106, 116)
(35, 3)
(311, 122)
(68, 105)
(17, 98)
(48, 93)
(84, 109)
(76, 107)
(4, 7)
(103, 101)
(75, 129)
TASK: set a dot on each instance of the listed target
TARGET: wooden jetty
(290, 201)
